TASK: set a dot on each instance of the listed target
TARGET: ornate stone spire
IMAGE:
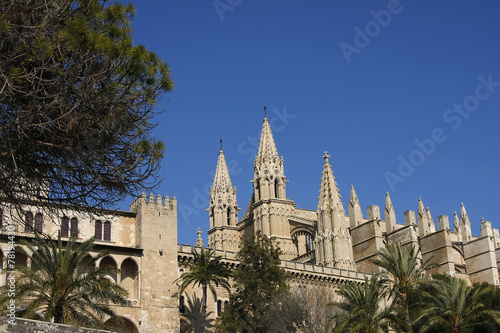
(432, 225)
(424, 224)
(329, 194)
(389, 214)
(333, 239)
(267, 147)
(223, 209)
(223, 204)
(355, 213)
(269, 176)
(465, 225)
(222, 180)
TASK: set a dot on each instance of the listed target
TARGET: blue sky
(404, 95)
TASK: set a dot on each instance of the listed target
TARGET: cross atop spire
(220, 142)
(265, 110)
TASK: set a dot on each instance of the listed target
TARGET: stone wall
(35, 326)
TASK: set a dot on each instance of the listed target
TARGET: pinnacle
(222, 180)
(267, 147)
(329, 192)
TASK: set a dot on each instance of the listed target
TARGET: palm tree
(64, 285)
(205, 270)
(454, 306)
(360, 309)
(405, 272)
(195, 320)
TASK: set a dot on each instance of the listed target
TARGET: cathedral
(335, 237)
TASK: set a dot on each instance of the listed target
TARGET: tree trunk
(204, 308)
(58, 314)
(407, 314)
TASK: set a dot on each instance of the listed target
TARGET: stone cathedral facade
(338, 238)
(327, 246)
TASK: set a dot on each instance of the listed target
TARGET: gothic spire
(389, 214)
(465, 224)
(267, 148)
(355, 213)
(222, 181)
(269, 175)
(423, 219)
(223, 207)
(329, 194)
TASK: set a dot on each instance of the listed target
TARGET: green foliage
(491, 301)
(453, 306)
(76, 102)
(258, 279)
(360, 309)
(64, 286)
(404, 271)
(205, 270)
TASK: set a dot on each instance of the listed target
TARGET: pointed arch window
(98, 230)
(64, 226)
(228, 216)
(38, 222)
(257, 190)
(107, 231)
(219, 308)
(276, 188)
(28, 222)
(74, 227)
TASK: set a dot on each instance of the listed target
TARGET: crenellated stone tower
(156, 223)
(333, 239)
(223, 210)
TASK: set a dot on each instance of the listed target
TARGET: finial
(326, 156)
(482, 219)
(265, 109)
(220, 142)
(199, 240)
(387, 193)
(352, 187)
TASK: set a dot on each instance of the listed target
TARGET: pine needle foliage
(77, 102)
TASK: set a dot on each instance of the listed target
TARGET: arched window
(38, 222)
(28, 222)
(107, 231)
(74, 227)
(64, 226)
(98, 230)
(228, 216)
(219, 308)
(257, 190)
(276, 188)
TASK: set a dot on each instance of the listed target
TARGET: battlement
(151, 200)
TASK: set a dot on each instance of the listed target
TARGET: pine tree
(77, 100)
